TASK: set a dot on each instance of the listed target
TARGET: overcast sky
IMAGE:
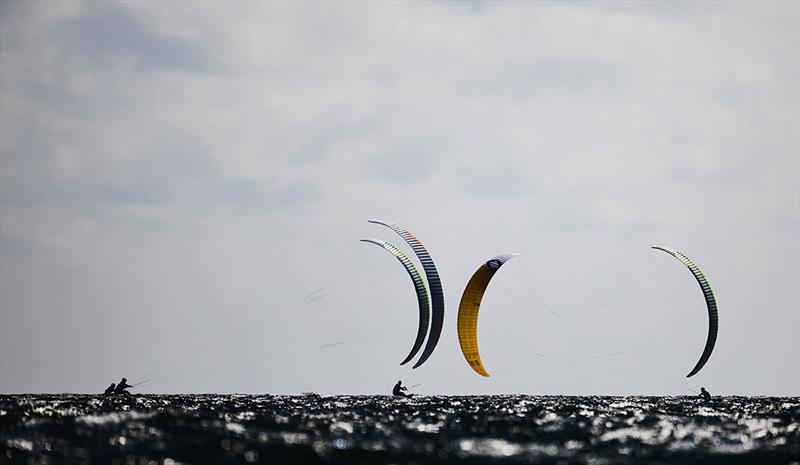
(178, 179)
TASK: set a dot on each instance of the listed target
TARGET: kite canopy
(434, 283)
(422, 294)
(468, 310)
(711, 303)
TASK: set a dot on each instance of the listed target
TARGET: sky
(183, 187)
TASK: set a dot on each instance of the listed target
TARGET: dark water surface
(310, 429)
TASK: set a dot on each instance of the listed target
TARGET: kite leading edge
(711, 304)
(434, 284)
(422, 294)
(468, 311)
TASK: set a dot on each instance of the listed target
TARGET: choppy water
(309, 429)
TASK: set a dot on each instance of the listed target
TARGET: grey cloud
(405, 162)
(549, 78)
(15, 246)
(268, 196)
(327, 131)
(36, 175)
(109, 34)
(487, 173)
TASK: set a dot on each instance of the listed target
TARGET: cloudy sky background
(177, 178)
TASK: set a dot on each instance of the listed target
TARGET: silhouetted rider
(109, 390)
(398, 390)
(122, 386)
(704, 394)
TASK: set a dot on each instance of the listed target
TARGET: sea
(320, 429)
